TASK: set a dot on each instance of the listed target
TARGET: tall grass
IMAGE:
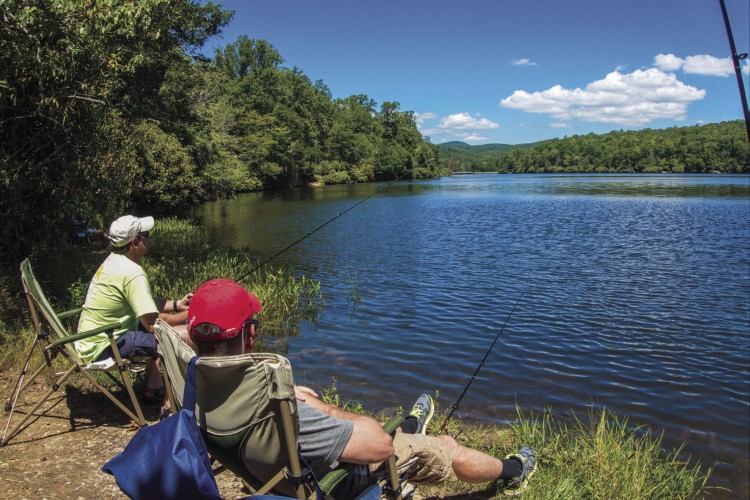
(598, 456)
(181, 258)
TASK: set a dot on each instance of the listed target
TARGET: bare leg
(472, 466)
(153, 376)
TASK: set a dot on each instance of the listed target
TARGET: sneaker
(515, 486)
(422, 411)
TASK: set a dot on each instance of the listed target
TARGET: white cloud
(633, 99)
(668, 62)
(431, 131)
(420, 118)
(559, 125)
(523, 62)
(708, 65)
(696, 65)
(464, 121)
(474, 138)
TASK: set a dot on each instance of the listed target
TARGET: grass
(181, 258)
(599, 456)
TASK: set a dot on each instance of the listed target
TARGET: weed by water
(354, 294)
(180, 260)
(598, 456)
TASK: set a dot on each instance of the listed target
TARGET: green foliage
(332, 396)
(77, 75)
(181, 258)
(596, 457)
(718, 147)
(457, 156)
(167, 178)
(602, 457)
(104, 110)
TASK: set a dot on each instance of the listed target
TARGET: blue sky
(514, 71)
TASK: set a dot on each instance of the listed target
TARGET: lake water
(634, 295)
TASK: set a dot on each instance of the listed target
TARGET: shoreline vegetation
(599, 455)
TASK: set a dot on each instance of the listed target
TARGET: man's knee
(449, 441)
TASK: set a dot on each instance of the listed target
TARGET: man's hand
(301, 392)
(183, 303)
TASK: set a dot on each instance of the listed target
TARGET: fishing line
(299, 240)
(454, 406)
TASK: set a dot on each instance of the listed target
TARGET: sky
(514, 71)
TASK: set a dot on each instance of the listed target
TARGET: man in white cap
(120, 292)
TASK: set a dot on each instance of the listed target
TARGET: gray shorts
(133, 345)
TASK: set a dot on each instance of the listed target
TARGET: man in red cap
(221, 323)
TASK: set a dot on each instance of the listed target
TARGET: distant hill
(458, 155)
(713, 147)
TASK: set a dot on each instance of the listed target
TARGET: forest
(108, 106)
(716, 147)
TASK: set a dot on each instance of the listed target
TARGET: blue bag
(167, 460)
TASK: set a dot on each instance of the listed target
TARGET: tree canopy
(106, 106)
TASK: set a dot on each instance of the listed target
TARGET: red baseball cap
(224, 303)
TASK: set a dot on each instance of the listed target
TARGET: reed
(181, 258)
(596, 456)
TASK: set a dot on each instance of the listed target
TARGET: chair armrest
(84, 335)
(392, 424)
(333, 478)
(72, 312)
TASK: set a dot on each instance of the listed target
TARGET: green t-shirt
(119, 292)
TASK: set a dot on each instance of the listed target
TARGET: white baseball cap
(127, 227)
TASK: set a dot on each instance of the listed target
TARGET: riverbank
(60, 454)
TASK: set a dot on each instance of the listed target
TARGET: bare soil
(60, 454)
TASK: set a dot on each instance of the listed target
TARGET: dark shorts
(133, 345)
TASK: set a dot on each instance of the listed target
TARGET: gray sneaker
(422, 410)
(515, 486)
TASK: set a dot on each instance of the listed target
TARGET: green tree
(74, 75)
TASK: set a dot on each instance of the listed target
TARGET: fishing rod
(736, 58)
(272, 257)
(454, 406)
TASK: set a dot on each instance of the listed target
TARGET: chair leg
(128, 384)
(138, 419)
(393, 472)
(58, 383)
(291, 444)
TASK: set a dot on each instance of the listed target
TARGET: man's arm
(368, 444)
(167, 312)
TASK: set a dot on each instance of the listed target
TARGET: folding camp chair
(246, 408)
(52, 338)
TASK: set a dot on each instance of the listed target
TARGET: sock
(410, 425)
(511, 468)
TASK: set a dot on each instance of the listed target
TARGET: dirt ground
(60, 455)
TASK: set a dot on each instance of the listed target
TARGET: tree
(73, 77)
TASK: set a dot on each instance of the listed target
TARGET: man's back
(118, 292)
